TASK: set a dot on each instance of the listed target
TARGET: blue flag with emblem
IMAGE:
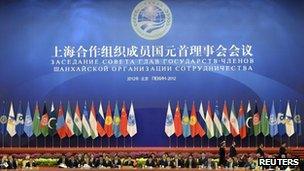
(297, 122)
(116, 123)
(3, 119)
(28, 122)
(185, 122)
(273, 124)
(281, 120)
(19, 120)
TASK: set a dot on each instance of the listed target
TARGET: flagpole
(116, 142)
(28, 142)
(11, 142)
(241, 142)
(272, 141)
(185, 141)
(193, 142)
(60, 143)
(77, 141)
(201, 141)
(19, 140)
(297, 141)
(124, 141)
(36, 141)
(131, 142)
(109, 142)
(176, 141)
(208, 142)
(2, 140)
(169, 138)
(69, 142)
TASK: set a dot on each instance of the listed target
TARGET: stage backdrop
(152, 52)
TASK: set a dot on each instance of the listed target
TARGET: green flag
(249, 123)
(36, 122)
(52, 121)
(264, 121)
(77, 121)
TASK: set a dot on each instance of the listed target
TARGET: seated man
(128, 162)
(4, 162)
(62, 162)
(72, 162)
(99, 162)
(190, 162)
(165, 161)
(150, 162)
(116, 161)
(203, 161)
(107, 162)
(177, 161)
(12, 164)
(79, 159)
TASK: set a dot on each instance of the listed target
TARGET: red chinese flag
(178, 121)
(195, 127)
(124, 121)
(108, 127)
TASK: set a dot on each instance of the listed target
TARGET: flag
(109, 121)
(209, 122)
(52, 121)
(289, 122)
(93, 122)
(100, 121)
(86, 129)
(234, 126)
(185, 121)
(60, 125)
(178, 121)
(264, 121)
(116, 123)
(225, 120)
(195, 126)
(273, 125)
(3, 119)
(124, 121)
(69, 121)
(249, 123)
(241, 121)
(11, 122)
(77, 128)
(36, 121)
(28, 122)
(256, 121)
(169, 125)
(44, 122)
(19, 121)
(297, 121)
(281, 120)
(218, 131)
(202, 118)
(132, 127)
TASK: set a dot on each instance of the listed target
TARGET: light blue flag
(28, 122)
(19, 121)
(281, 120)
(273, 129)
(116, 123)
(185, 122)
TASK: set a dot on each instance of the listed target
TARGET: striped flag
(93, 122)
(225, 120)
(256, 121)
(234, 126)
(202, 118)
(124, 121)
(86, 129)
(218, 131)
(289, 121)
(36, 121)
(273, 125)
(3, 119)
(241, 121)
(264, 121)
(178, 121)
(77, 128)
(132, 126)
(69, 121)
(116, 122)
(28, 122)
(185, 121)
(195, 127)
(209, 122)
(60, 125)
(19, 120)
(100, 121)
(44, 122)
(169, 125)
(11, 122)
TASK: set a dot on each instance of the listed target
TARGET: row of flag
(243, 124)
(85, 122)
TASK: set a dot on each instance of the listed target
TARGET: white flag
(11, 122)
(69, 121)
(131, 127)
(289, 122)
(169, 128)
(93, 122)
(201, 111)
